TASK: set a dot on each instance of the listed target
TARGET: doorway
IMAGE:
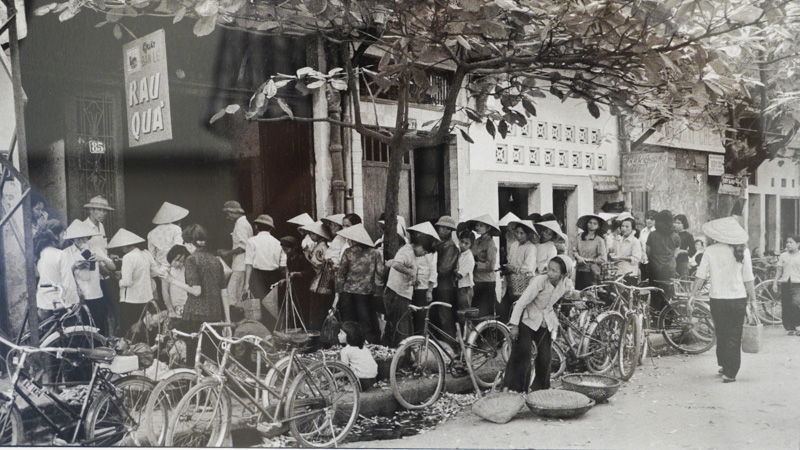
(789, 212)
(561, 205)
(513, 200)
(430, 183)
(770, 222)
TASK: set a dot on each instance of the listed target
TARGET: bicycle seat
(99, 354)
(468, 313)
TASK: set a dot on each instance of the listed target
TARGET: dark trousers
(518, 369)
(420, 299)
(318, 307)
(484, 298)
(110, 289)
(728, 315)
(129, 314)
(98, 308)
(584, 279)
(398, 319)
(445, 318)
(208, 347)
(366, 383)
(790, 305)
(360, 308)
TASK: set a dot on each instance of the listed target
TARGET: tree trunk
(391, 241)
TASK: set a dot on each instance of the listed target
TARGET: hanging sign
(605, 183)
(733, 185)
(645, 172)
(147, 90)
(716, 165)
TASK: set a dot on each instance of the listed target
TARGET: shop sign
(642, 172)
(716, 165)
(733, 185)
(605, 183)
(147, 90)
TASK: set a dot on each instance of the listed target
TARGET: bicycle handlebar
(429, 306)
(31, 350)
(636, 288)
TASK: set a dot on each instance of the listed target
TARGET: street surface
(673, 402)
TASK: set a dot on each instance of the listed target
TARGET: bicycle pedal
(269, 429)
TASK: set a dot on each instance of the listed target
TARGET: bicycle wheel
(602, 345)
(275, 377)
(484, 352)
(63, 371)
(558, 365)
(628, 348)
(417, 373)
(768, 303)
(322, 405)
(202, 417)
(688, 333)
(162, 402)
(114, 418)
(11, 430)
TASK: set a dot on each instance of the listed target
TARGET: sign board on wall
(733, 185)
(605, 183)
(147, 90)
(716, 165)
(644, 172)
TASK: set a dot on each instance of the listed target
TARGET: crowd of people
(334, 265)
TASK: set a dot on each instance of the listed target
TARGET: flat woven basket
(597, 387)
(499, 407)
(558, 404)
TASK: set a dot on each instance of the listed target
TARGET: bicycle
(109, 412)
(319, 403)
(484, 355)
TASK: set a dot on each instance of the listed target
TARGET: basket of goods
(558, 404)
(499, 407)
(597, 387)
(304, 340)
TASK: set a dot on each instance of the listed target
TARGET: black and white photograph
(400, 223)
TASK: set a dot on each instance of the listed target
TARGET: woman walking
(687, 248)
(726, 265)
(534, 321)
(788, 276)
(590, 250)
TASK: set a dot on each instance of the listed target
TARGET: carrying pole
(19, 111)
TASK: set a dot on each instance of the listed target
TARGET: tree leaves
(490, 127)
(285, 107)
(503, 128)
(594, 110)
(466, 136)
(529, 108)
(204, 26)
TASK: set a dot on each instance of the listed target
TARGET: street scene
(399, 224)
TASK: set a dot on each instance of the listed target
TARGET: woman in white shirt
(534, 322)
(727, 267)
(135, 284)
(56, 285)
(789, 278)
(522, 260)
(627, 252)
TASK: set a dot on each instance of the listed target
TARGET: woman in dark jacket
(687, 249)
(662, 245)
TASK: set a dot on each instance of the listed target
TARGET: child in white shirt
(356, 356)
(466, 265)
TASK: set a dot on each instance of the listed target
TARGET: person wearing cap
(166, 234)
(534, 321)
(242, 232)
(205, 280)
(521, 267)
(360, 266)
(87, 269)
(446, 269)
(135, 283)
(485, 252)
(264, 259)
(680, 224)
(628, 251)
(662, 245)
(56, 285)
(589, 251)
(426, 275)
(97, 210)
(727, 267)
(321, 292)
(549, 233)
(649, 227)
(400, 288)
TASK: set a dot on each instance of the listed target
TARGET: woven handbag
(517, 283)
(251, 307)
(751, 334)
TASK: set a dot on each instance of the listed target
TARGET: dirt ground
(672, 402)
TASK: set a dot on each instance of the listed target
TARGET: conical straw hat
(316, 228)
(726, 230)
(169, 213)
(488, 220)
(527, 224)
(583, 220)
(357, 233)
(624, 215)
(508, 218)
(334, 218)
(79, 229)
(554, 226)
(99, 202)
(301, 220)
(425, 228)
(124, 237)
(606, 216)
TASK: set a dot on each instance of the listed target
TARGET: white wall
(769, 181)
